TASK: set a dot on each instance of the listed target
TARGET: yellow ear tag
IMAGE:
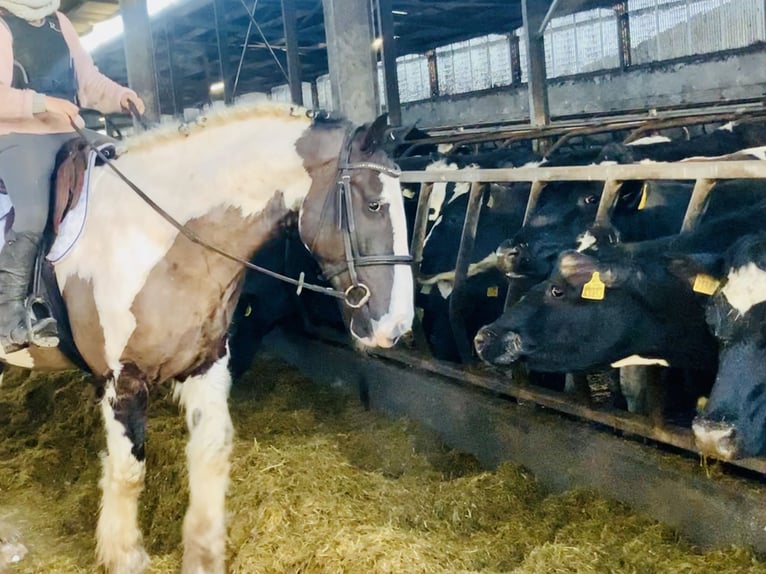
(705, 284)
(248, 311)
(408, 193)
(594, 289)
(493, 291)
(642, 201)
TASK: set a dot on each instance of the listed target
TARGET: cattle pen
(485, 412)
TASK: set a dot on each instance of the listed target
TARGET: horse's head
(353, 222)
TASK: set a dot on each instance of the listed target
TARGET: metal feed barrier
(703, 173)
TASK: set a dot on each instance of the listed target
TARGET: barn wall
(691, 81)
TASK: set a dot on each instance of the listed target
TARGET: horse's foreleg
(205, 400)
(118, 539)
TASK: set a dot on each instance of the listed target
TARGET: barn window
(476, 64)
(665, 29)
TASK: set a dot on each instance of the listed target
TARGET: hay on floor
(318, 486)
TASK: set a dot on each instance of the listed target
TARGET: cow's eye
(556, 291)
(590, 199)
(374, 206)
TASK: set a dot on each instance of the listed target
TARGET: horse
(142, 303)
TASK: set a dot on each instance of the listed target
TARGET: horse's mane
(222, 116)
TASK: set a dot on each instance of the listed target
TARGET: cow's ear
(578, 269)
(687, 266)
(375, 134)
(632, 196)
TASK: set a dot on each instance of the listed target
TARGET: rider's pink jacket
(95, 90)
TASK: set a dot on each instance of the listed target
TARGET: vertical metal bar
(697, 203)
(467, 241)
(608, 201)
(223, 41)
(289, 20)
(623, 34)
(433, 73)
(314, 95)
(419, 228)
(534, 196)
(139, 56)
(176, 91)
(515, 59)
(390, 75)
(539, 112)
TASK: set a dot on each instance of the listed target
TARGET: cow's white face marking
(401, 311)
(585, 241)
(745, 287)
(648, 140)
(439, 190)
(639, 361)
(756, 152)
(727, 127)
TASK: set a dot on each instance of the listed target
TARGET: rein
(349, 236)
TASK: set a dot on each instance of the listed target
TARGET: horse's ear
(375, 134)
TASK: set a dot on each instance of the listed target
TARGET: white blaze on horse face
(745, 287)
(238, 164)
(401, 309)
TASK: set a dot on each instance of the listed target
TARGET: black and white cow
(733, 422)
(727, 139)
(628, 304)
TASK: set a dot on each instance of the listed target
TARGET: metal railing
(703, 172)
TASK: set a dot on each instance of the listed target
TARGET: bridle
(357, 294)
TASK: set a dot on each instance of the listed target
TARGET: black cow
(733, 422)
(482, 296)
(627, 300)
(266, 303)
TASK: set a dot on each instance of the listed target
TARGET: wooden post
(293, 58)
(515, 60)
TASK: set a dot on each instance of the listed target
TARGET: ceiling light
(217, 88)
(377, 43)
(399, 12)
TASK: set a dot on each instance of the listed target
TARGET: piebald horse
(146, 304)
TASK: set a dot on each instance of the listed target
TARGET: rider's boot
(19, 327)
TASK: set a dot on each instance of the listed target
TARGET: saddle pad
(72, 225)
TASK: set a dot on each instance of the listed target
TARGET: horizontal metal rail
(683, 170)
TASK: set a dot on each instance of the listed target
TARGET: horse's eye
(590, 199)
(374, 206)
(556, 291)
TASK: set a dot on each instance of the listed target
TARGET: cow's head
(593, 312)
(733, 421)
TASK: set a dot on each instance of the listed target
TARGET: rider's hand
(61, 106)
(131, 98)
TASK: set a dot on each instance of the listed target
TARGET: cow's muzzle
(497, 349)
(716, 439)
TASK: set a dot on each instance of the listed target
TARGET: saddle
(69, 190)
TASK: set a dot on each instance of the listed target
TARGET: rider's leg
(26, 165)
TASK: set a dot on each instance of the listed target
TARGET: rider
(45, 76)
